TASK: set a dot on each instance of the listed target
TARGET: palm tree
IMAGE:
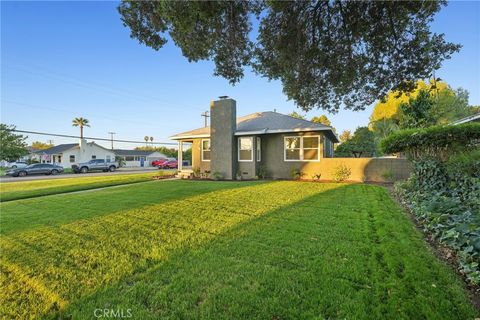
(146, 140)
(80, 122)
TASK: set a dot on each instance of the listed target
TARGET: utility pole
(206, 116)
(111, 138)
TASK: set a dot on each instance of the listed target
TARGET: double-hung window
(302, 148)
(206, 150)
(245, 149)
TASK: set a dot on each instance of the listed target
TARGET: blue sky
(61, 60)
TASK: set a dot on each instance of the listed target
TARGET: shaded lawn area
(36, 188)
(225, 250)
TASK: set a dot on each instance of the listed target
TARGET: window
(94, 157)
(311, 148)
(245, 149)
(292, 148)
(259, 149)
(129, 158)
(72, 158)
(305, 148)
(206, 152)
(108, 158)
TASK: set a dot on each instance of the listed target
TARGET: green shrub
(388, 175)
(196, 172)
(297, 174)
(217, 175)
(341, 173)
(262, 172)
(437, 141)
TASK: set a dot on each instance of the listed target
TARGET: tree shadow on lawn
(342, 253)
(43, 269)
(27, 214)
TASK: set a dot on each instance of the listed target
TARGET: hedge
(437, 141)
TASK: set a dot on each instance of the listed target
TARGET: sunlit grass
(226, 250)
(28, 189)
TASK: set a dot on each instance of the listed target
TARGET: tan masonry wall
(363, 169)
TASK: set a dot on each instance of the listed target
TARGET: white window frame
(259, 149)
(251, 150)
(210, 149)
(70, 158)
(301, 149)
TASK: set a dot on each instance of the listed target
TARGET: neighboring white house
(68, 154)
(138, 158)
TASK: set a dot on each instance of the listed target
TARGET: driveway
(72, 175)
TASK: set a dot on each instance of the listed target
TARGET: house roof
(58, 149)
(472, 118)
(67, 146)
(122, 152)
(264, 123)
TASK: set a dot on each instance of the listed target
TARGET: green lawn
(29, 189)
(222, 250)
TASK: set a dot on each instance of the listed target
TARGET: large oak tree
(325, 53)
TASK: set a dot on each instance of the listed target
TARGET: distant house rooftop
(58, 149)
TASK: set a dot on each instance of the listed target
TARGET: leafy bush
(445, 201)
(439, 141)
(341, 173)
(217, 175)
(196, 172)
(262, 172)
(388, 175)
(297, 174)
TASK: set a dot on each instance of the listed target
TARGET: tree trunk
(81, 132)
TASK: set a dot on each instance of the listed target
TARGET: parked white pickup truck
(95, 165)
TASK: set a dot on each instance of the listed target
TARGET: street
(121, 171)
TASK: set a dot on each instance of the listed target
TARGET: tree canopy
(325, 53)
(13, 145)
(41, 145)
(361, 144)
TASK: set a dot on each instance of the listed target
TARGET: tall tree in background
(450, 104)
(361, 144)
(146, 141)
(355, 51)
(345, 135)
(322, 120)
(80, 122)
(418, 112)
(41, 145)
(297, 115)
(12, 146)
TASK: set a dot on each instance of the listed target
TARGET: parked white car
(17, 164)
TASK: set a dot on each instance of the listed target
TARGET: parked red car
(159, 162)
(170, 164)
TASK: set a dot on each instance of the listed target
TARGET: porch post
(180, 155)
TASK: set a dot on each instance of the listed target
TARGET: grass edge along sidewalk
(38, 188)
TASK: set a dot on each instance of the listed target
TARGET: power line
(91, 138)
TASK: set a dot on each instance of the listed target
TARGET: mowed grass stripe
(27, 214)
(78, 258)
(37, 188)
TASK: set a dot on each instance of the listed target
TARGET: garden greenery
(437, 141)
(443, 190)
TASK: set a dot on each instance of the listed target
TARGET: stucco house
(270, 142)
(138, 158)
(68, 154)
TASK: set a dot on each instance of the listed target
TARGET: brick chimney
(223, 124)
